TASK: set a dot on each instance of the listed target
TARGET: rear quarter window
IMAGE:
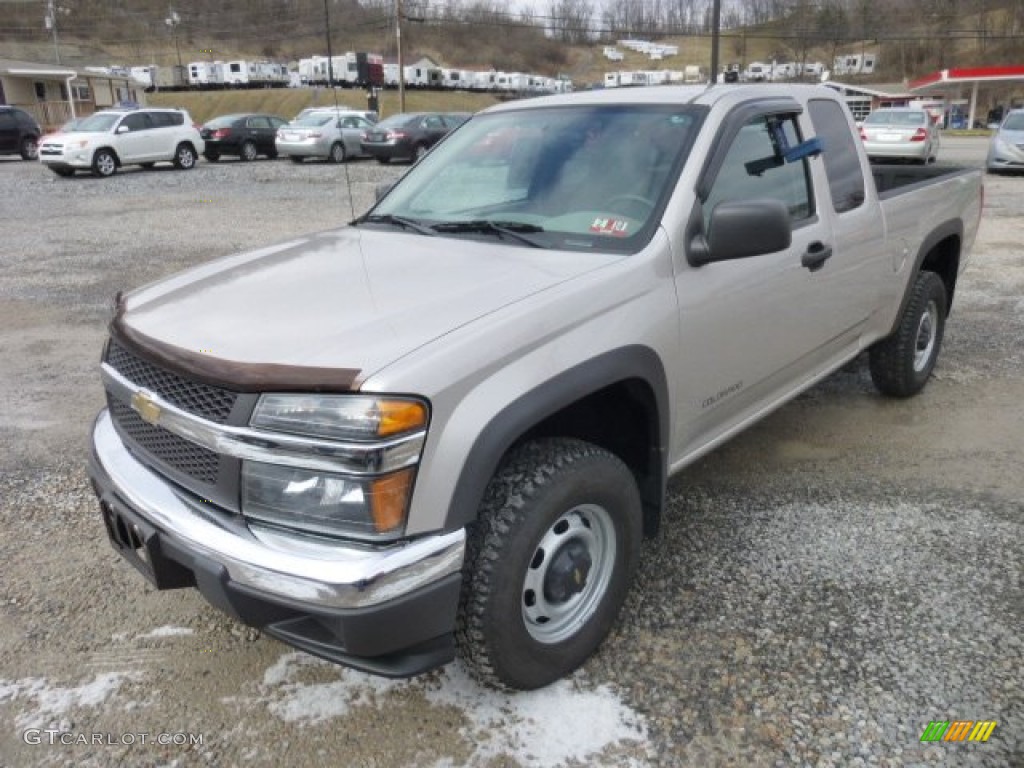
(839, 152)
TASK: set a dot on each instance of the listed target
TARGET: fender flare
(949, 228)
(495, 438)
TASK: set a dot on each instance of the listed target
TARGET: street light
(172, 21)
(50, 22)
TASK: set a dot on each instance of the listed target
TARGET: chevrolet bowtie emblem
(143, 405)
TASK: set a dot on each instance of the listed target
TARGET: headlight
(339, 417)
(368, 502)
(79, 144)
(326, 503)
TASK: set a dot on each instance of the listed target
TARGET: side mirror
(741, 229)
(122, 129)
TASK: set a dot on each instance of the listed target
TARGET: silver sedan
(901, 134)
(1006, 150)
(331, 137)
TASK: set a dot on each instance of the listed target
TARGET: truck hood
(356, 299)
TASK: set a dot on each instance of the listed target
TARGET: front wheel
(104, 164)
(549, 562)
(185, 157)
(902, 363)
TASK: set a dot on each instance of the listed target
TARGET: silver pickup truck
(450, 424)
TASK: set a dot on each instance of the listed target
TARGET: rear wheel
(104, 163)
(419, 152)
(549, 562)
(185, 157)
(337, 154)
(29, 148)
(248, 153)
(902, 363)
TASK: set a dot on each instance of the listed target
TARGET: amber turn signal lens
(397, 416)
(389, 500)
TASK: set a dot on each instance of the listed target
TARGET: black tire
(29, 148)
(418, 152)
(337, 153)
(185, 157)
(248, 152)
(902, 363)
(529, 615)
(213, 157)
(296, 158)
(64, 172)
(104, 163)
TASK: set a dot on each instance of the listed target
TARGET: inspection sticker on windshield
(612, 227)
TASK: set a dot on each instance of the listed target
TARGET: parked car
(113, 138)
(408, 136)
(245, 135)
(1006, 149)
(333, 136)
(901, 134)
(19, 133)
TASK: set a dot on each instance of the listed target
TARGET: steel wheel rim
(927, 331)
(550, 620)
(105, 163)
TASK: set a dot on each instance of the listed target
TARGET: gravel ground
(825, 584)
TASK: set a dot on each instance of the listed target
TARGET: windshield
(222, 122)
(1014, 122)
(396, 121)
(586, 177)
(896, 118)
(98, 122)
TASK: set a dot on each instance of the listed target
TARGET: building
(55, 94)
(864, 99)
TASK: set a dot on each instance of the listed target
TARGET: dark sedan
(409, 135)
(246, 136)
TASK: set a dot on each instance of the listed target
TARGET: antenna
(334, 93)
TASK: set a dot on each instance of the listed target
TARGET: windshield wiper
(517, 230)
(400, 221)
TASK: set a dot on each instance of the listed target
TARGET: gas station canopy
(952, 82)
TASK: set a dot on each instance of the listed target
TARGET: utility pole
(401, 61)
(172, 21)
(50, 22)
(716, 25)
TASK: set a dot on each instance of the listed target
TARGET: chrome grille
(204, 400)
(191, 459)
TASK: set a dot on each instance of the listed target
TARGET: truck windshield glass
(587, 178)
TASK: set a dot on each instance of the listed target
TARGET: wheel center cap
(568, 572)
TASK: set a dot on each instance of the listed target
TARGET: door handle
(816, 255)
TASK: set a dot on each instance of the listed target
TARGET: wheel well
(944, 260)
(623, 419)
(111, 150)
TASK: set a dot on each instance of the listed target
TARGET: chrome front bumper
(313, 572)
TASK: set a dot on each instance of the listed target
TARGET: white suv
(103, 142)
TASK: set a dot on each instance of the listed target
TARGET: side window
(839, 151)
(137, 122)
(755, 169)
(259, 122)
(433, 122)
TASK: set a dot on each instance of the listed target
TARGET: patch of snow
(165, 631)
(53, 701)
(546, 728)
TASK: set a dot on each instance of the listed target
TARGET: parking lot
(825, 585)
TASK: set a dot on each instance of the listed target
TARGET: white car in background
(901, 134)
(108, 140)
